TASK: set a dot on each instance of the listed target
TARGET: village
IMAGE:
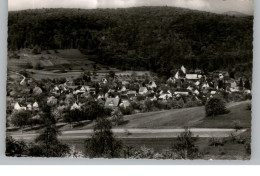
(122, 92)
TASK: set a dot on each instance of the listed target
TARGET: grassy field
(63, 63)
(239, 115)
(190, 117)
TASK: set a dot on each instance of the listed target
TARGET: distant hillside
(144, 38)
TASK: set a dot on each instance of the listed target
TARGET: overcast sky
(218, 6)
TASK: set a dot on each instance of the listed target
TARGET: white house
(75, 106)
(205, 86)
(213, 92)
(183, 69)
(152, 85)
(166, 96)
(104, 80)
(181, 93)
(29, 107)
(35, 105)
(197, 83)
(154, 98)
(190, 88)
(18, 107)
(143, 90)
(124, 103)
(192, 76)
(171, 80)
(177, 75)
(123, 89)
(196, 92)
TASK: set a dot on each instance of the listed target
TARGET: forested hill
(151, 38)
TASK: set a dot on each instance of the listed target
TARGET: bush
(216, 142)
(215, 106)
(15, 148)
(249, 107)
(185, 147)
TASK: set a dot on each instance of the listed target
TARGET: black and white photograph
(129, 79)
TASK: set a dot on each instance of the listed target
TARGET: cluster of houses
(183, 83)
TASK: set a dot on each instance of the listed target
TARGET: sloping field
(177, 118)
(191, 117)
(239, 116)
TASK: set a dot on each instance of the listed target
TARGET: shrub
(185, 147)
(15, 148)
(249, 107)
(215, 106)
(117, 118)
(38, 66)
(216, 142)
(248, 148)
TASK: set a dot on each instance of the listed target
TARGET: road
(20, 75)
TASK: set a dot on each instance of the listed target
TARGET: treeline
(159, 39)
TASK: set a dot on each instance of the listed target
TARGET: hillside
(144, 38)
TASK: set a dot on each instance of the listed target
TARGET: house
(125, 103)
(198, 71)
(112, 102)
(205, 86)
(197, 83)
(181, 93)
(220, 76)
(104, 80)
(37, 91)
(166, 95)
(125, 83)
(18, 107)
(192, 76)
(29, 107)
(171, 80)
(152, 85)
(35, 106)
(233, 84)
(196, 92)
(247, 91)
(143, 90)
(213, 92)
(189, 88)
(234, 89)
(75, 106)
(183, 69)
(123, 89)
(177, 75)
(100, 96)
(154, 98)
(92, 90)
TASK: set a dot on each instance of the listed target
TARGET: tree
(15, 148)
(103, 143)
(21, 118)
(247, 84)
(117, 118)
(185, 146)
(215, 106)
(112, 74)
(48, 145)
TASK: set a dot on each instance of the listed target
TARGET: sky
(216, 6)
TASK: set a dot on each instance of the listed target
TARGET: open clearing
(191, 117)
